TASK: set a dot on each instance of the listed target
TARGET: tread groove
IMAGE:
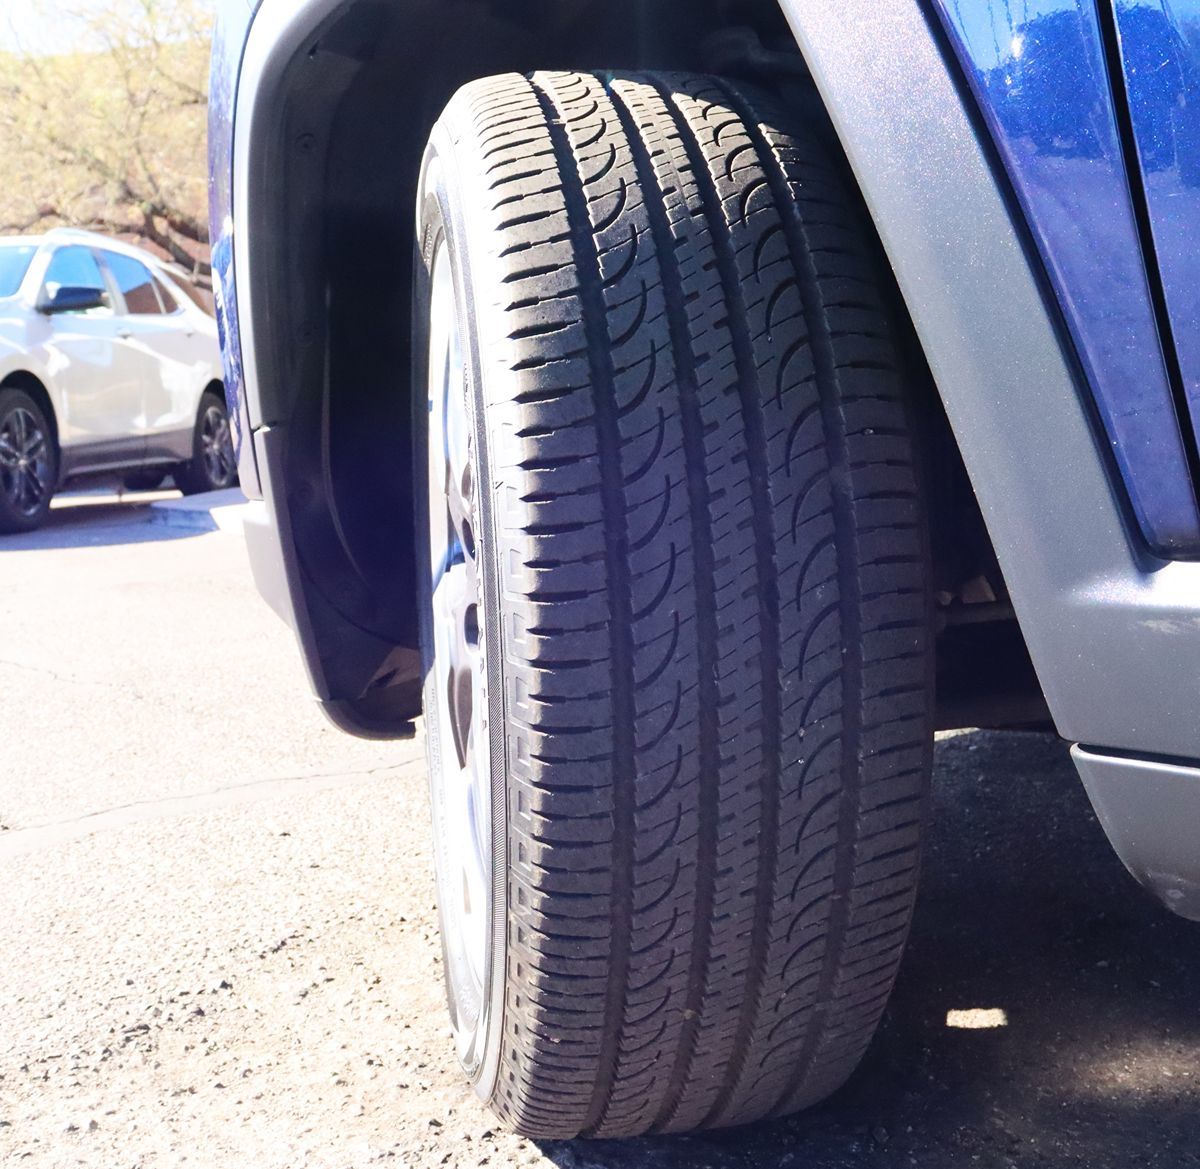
(708, 736)
(849, 585)
(616, 539)
(750, 400)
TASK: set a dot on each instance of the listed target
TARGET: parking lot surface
(220, 943)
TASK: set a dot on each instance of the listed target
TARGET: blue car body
(1097, 125)
(1032, 168)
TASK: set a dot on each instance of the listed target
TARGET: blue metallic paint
(1037, 68)
(229, 40)
(1160, 55)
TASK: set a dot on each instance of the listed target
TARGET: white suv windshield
(14, 263)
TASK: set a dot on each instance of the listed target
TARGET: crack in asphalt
(69, 681)
(20, 841)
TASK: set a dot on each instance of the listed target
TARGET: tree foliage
(110, 133)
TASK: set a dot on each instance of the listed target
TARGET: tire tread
(714, 580)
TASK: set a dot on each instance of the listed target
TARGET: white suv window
(136, 284)
(75, 267)
(170, 304)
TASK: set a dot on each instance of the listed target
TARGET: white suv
(106, 364)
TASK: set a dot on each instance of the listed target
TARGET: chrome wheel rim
(24, 462)
(460, 772)
(216, 446)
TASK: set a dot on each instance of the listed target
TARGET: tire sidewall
(11, 521)
(442, 222)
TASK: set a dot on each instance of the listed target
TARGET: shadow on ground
(1024, 909)
(90, 520)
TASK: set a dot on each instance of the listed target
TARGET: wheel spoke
(461, 769)
(24, 462)
(216, 447)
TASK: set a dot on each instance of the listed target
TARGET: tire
(29, 462)
(213, 465)
(702, 705)
(144, 480)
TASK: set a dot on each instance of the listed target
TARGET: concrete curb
(216, 511)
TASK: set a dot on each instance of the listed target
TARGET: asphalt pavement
(220, 944)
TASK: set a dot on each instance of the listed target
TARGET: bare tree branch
(40, 216)
(111, 137)
(165, 240)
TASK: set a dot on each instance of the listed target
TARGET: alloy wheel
(461, 766)
(216, 447)
(24, 461)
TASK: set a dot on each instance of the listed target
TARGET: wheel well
(217, 387)
(332, 181)
(31, 384)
